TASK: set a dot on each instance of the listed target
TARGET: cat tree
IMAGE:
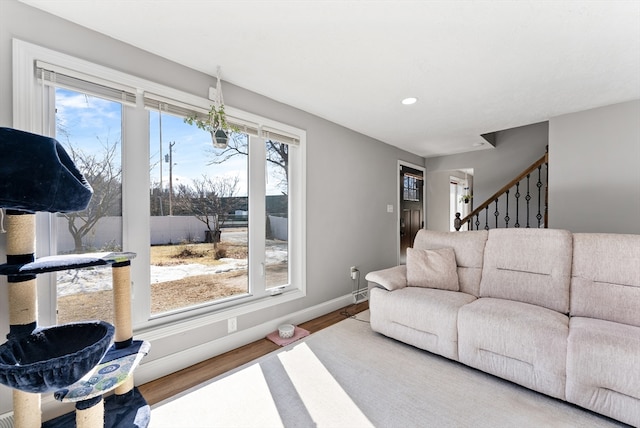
(75, 361)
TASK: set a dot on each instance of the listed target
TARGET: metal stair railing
(536, 198)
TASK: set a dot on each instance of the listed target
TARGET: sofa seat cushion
(423, 317)
(522, 343)
(603, 368)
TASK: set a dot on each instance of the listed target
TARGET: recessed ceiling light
(409, 101)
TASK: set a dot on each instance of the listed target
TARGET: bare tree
(103, 174)
(210, 200)
(277, 156)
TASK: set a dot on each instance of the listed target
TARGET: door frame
(402, 163)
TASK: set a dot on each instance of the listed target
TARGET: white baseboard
(160, 367)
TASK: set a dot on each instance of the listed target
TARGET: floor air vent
(360, 295)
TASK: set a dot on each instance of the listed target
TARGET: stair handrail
(458, 222)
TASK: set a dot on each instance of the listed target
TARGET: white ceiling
(475, 66)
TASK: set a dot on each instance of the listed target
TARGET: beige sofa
(553, 311)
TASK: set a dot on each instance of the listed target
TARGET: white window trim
(27, 116)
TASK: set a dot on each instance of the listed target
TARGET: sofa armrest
(392, 278)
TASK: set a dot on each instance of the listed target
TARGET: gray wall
(595, 171)
(514, 151)
(437, 190)
(350, 177)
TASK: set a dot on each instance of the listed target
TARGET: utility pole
(161, 184)
(169, 158)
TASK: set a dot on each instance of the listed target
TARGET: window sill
(163, 327)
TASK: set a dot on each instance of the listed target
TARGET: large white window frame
(28, 96)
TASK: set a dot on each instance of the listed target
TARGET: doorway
(460, 195)
(411, 207)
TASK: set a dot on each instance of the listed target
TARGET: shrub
(188, 253)
(220, 252)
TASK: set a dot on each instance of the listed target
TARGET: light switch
(389, 208)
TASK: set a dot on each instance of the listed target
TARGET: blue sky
(92, 122)
(192, 152)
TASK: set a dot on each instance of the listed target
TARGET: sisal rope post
(23, 307)
(26, 409)
(91, 417)
(126, 387)
(121, 273)
(21, 243)
(21, 231)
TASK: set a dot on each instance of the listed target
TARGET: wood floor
(175, 383)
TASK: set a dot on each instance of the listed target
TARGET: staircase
(520, 203)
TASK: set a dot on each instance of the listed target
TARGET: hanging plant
(215, 124)
(216, 121)
(466, 198)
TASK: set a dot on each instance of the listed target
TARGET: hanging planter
(220, 139)
(466, 198)
(215, 123)
(216, 120)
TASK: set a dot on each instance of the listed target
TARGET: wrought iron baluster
(517, 195)
(528, 198)
(496, 213)
(539, 185)
(506, 217)
(478, 221)
(486, 218)
(546, 196)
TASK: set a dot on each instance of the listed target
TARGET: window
(199, 215)
(277, 208)
(90, 129)
(411, 189)
(240, 211)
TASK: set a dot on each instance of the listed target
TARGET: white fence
(176, 229)
(279, 227)
(107, 234)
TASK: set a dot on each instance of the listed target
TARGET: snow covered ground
(97, 279)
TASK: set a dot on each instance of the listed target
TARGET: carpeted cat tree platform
(78, 362)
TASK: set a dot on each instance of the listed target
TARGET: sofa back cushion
(432, 269)
(605, 280)
(468, 248)
(528, 265)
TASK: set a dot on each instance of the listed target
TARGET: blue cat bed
(37, 174)
(54, 357)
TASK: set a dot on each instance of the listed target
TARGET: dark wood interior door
(410, 223)
(411, 207)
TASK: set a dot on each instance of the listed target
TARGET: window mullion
(257, 215)
(135, 200)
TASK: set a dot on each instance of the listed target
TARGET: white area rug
(348, 376)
